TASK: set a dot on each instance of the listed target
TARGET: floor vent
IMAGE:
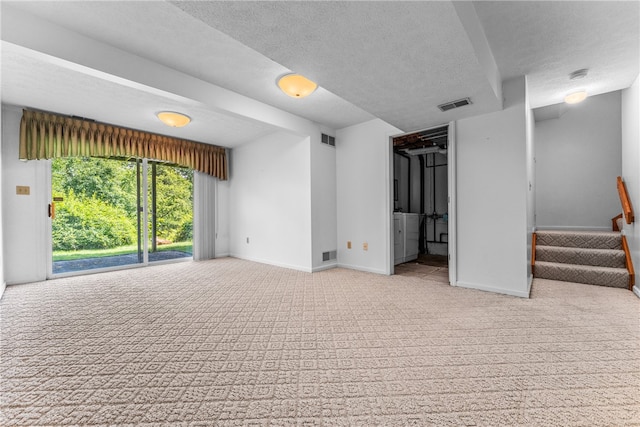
(454, 104)
(328, 256)
(329, 140)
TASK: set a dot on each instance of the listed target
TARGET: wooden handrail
(629, 263)
(627, 210)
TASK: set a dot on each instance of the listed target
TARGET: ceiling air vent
(329, 140)
(454, 104)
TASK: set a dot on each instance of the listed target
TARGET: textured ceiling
(92, 96)
(392, 60)
(397, 60)
(160, 32)
(547, 40)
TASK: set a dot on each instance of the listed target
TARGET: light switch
(349, 244)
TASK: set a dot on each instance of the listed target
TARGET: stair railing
(627, 212)
(627, 209)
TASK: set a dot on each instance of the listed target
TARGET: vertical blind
(47, 136)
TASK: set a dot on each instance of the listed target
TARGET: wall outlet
(349, 244)
(365, 246)
(23, 190)
(247, 240)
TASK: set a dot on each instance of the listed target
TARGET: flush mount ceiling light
(173, 119)
(296, 86)
(575, 97)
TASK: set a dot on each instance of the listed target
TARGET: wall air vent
(329, 140)
(328, 256)
(454, 104)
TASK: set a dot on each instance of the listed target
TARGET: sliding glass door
(170, 207)
(110, 213)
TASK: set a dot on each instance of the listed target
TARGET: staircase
(594, 258)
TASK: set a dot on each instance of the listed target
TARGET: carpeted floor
(230, 342)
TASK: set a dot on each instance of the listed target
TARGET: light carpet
(230, 342)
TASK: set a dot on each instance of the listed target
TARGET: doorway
(116, 213)
(422, 181)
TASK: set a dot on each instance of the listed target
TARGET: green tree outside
(99, 207)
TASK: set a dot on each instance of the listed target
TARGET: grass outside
(121, 250)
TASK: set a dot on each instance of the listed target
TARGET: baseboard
(571, 227)
(360, 268)
(2, 288)
(222, 255)
(273, 263)
(529, 286)
(325, 267)
(636, 291)
(486, 288)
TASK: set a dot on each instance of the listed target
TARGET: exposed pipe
(421, 234)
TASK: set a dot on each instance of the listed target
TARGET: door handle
(52, 210)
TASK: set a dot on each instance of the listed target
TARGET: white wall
(631, 168)
(323, 201)
(531, 182)
(270, 201)
(492, 197)
(24, 218)
(363, 160)
(2, 282)
(577, 162)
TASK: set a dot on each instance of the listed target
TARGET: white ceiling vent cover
(454, 104)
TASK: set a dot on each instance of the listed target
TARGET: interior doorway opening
(421, 202)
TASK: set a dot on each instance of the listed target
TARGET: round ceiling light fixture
(575, 97)
(296, 86)
(173, 119)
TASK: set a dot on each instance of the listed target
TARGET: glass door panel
(94, 214)
(108, 213)
(170, 207)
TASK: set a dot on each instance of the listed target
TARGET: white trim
(325, 267)
(570, 228)
(365, 269)
(222, 255)
(3, 286)
(636, 291)
(118, 268)
(529, 286)
(272, 263)
(482, 287)
(452, 238)
(48, 228)
(389, 171)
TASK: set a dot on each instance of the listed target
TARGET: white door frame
(451, 184)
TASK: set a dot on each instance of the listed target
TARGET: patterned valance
(46, 136)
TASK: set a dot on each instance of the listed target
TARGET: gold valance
(46, 136)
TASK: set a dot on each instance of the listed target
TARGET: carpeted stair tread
(592, 275)
(579, 239)
(614, 258)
